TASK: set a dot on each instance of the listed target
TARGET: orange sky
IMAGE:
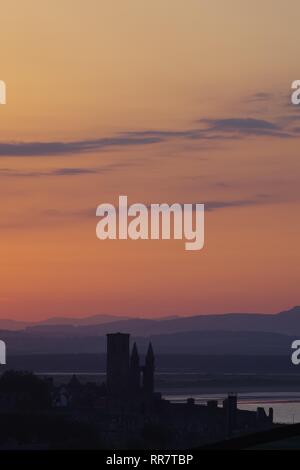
(209, 84)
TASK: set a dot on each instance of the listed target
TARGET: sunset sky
(164, 101)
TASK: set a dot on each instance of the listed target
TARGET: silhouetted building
(125, 386)
(117, 364)
(230, 407)
(126, 412)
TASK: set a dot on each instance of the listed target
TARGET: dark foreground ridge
(286, 437)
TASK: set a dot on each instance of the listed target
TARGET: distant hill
(235, 333)
(91, 320)
(16, 325)
(205, 366)
(287, 322)
(13, 325)
(219, 343)
(214, 342)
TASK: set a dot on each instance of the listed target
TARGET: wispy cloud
(216, 205)
(245, 127)
(44, 149)
(64, 171)
(211, 206)
(7, 172)
(216, 129)
(260, 97)
(257, 200)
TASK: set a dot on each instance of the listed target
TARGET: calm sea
(286, 405)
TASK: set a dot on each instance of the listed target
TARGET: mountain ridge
(287, 321)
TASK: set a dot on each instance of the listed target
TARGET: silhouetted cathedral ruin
(132, 400)
(126, 411)
(128, 383)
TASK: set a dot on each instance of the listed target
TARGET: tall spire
(150, 354)
(135, 355)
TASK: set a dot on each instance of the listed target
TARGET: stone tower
(117, 369)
